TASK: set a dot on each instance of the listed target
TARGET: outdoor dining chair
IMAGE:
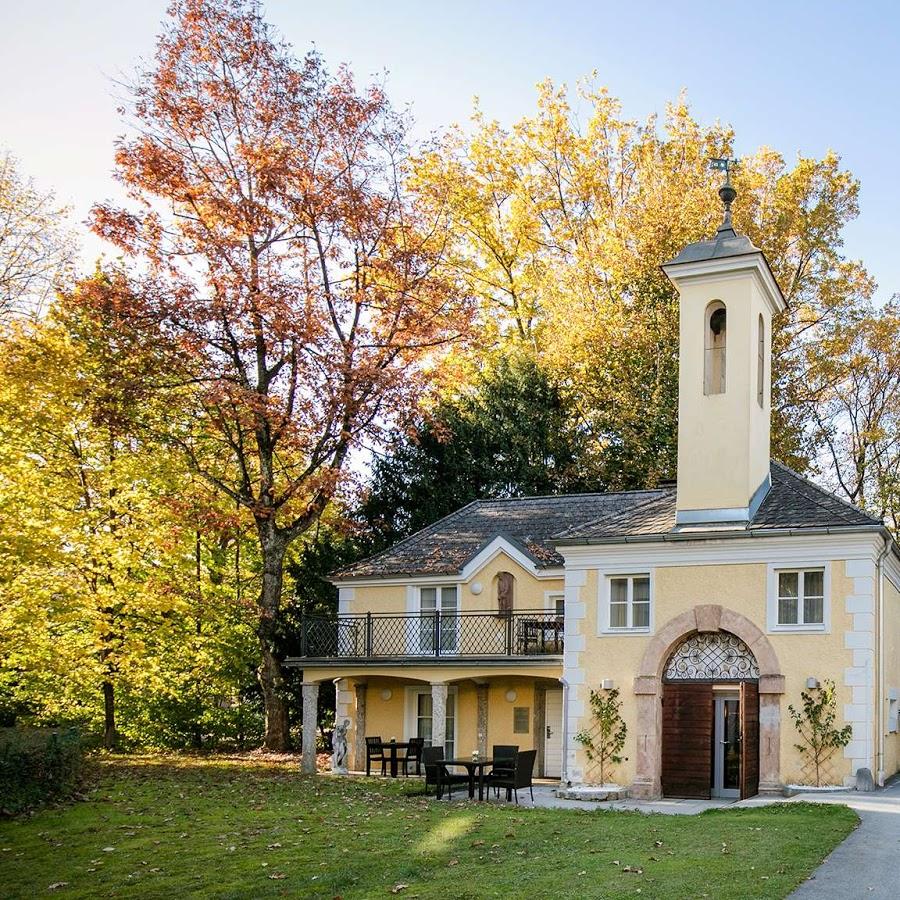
(521, 777)
(437, 775)
(414, 755)
(504, 756)
(375, 753)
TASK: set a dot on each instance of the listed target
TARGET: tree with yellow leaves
(105, 580)
(560, 229)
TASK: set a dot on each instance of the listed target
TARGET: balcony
(384, 637)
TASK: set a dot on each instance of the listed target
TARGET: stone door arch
(648, 691)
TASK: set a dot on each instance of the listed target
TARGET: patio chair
(414, 755)
(375, 753)
(521, 777)
(437, 775)
(504, 756)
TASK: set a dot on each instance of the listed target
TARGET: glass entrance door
(727, 746)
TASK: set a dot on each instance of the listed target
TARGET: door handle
(549, 733)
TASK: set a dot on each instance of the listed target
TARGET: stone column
(482, 690)
(359, 728)
(310, 720)
(647, 784)
(771, 687)
(438, 713)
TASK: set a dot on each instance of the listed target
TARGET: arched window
(761, 364)
(714, 360)
(506, 584)
(712, 656)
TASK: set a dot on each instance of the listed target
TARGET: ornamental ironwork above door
(713, 656)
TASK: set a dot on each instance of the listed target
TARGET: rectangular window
(801, 597)
(443, 600)
(629, 602)
(520, 719)
(424, 721)
(761, 363)
(557, 603)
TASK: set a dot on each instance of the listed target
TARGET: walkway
(867, 864)
(545, 798)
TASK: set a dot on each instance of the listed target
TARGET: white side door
(553, 732)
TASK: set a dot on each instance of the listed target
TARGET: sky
(801, 77)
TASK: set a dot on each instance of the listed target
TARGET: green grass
(181, 827)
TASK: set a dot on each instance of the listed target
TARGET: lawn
(179, 827)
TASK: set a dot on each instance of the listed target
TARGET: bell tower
(728, 297)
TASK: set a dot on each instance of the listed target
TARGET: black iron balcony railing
(383, 635)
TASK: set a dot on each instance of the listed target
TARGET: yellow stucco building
(709, 605)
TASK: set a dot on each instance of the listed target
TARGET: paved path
(545, 796)
(867, 864)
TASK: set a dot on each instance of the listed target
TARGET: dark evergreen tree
(511, 434)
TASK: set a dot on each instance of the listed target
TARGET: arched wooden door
(701, 667)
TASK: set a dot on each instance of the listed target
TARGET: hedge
(38, 765)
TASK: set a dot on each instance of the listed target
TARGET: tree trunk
(110, 735)
(271, 680)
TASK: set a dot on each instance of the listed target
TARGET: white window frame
(439, 590)
(605, 598)
(550, 600)
(411, 712)
(893, 716)
(772, 597)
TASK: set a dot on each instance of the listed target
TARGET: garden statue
(339, 748)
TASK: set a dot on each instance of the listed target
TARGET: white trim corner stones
(860, 676)
(573, 676)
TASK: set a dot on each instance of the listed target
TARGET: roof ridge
(569, 496)
(818, 488)
(662, 495)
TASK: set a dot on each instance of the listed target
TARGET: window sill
(624, 631)
(811, 629)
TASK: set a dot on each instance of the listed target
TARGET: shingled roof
(537, 525)
(793, 502)
(529, 523)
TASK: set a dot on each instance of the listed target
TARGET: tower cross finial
(727, 193)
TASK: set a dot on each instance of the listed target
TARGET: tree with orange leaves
(283, 269)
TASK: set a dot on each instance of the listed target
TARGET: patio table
(472, 766)
(392, 747)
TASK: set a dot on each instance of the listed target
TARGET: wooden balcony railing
(470, 634)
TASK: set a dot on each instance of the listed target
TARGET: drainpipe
(564, 769)
(879, 718)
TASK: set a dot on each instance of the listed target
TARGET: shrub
(604, 739)
(37, 765)
(816, 723)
